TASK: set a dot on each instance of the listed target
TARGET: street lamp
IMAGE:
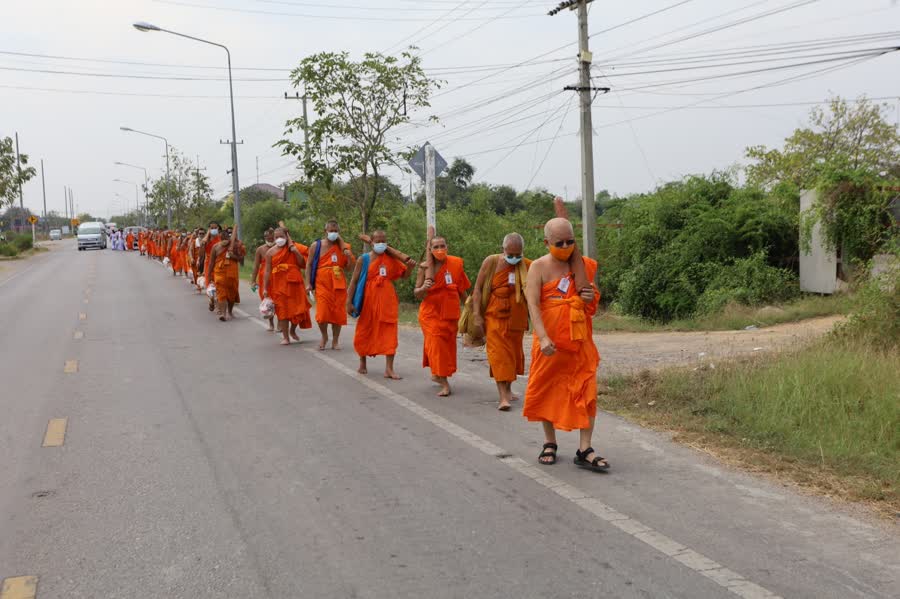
(146, 186)
(145, 27)
(168, 199)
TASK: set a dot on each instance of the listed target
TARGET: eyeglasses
(565, 243)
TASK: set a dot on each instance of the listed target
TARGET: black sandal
(598, 464)
(548, 454)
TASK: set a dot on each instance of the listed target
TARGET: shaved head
(513, 242)
(558, 229)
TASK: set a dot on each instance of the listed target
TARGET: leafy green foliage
(188, 192)
(11, 176)
(260, 216)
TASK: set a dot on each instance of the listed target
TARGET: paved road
(203, 460)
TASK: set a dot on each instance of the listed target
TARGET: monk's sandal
(598, 464)
(546, 453)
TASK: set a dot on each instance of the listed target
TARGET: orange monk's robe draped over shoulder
(376, 327)
(505, 323)
(225, 274)
(129, 242)
(287, 290)
(261, 278)
(562, 388)
(439, 317)
(331, 286)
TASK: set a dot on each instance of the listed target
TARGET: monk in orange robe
(439, 311)
(501, 314)
(175, 253)
(376, 325)
(223, 271)
(209, 241)
(283, 282)
(562, 382)
(129, 241)
(329, 283)
(259, 271)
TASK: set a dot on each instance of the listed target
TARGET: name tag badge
(382, 271)
(334, 258)
(512, 278)
(448, 279)
(564, 285)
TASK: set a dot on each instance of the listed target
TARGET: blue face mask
(513, 260)
(380, 248)
(333, 235)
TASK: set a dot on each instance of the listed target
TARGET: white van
(91, 235)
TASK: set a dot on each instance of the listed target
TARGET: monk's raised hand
(547, 347)
(365, 238)
(559, 207)
(587, 295)
(428, 284)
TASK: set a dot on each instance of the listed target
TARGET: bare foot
(390, 374)
(222, 318)
(445, 390)
(504, 405)
(362, 370)
(285, 342)
(295, 336)
(514, 398)
(336, 346)
(322, 344)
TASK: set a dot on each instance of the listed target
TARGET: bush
(7, 249)
(875, 320)
(23, 242)
(748, 281)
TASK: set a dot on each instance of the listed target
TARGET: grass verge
(826, 417)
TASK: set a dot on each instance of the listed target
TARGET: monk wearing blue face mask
(501, 314)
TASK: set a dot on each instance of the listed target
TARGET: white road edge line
(716, 572)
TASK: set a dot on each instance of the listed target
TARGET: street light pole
(146, 185)
(137, 205)
(168, 199)
(146, 27)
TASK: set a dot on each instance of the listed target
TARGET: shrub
(23, 242)
(876, 318)
(748, 281)
(7, 249)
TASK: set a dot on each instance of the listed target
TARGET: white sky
(641, 138)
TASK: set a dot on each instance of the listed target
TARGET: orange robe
(174, 255)
(376, 327)
(439, 317)
(129, 242)
(331, 285)
(505, 323)
(225, 274)
(287, 290)
(562, 388)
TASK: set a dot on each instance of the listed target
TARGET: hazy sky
(671, 111)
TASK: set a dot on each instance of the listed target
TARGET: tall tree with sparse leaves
(356, 107)
(11, 176)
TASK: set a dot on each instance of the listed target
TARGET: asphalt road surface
(200, 459)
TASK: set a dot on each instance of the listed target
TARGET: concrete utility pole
(584, 89)
(19, 173)
(297, 96)
(44, 189)
(198, 169)
(66, 194)
(430, 188)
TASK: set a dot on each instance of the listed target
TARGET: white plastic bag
(201, 282)
(211, 291)
(166, 261)
(267, 308)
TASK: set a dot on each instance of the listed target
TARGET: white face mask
(333, 235)
(213, 232)
(270, 243)
(280, 241)
(196, 243)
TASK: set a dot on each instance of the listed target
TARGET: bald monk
(439, 311)
(376, 326)
(562, 383)
(199, 258)
(283, 282)
(129, 240)
(225, 260)
(329, 282)
(209, 241)
(259, 271)
(501, 314)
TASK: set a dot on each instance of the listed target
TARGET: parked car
(55, 234)
(92, 235)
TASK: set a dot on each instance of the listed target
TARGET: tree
(12, 177)
(843, 136)
(357, 104)
(461, 173)
(253, 194)
(189, 193)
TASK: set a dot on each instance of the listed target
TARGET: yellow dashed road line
(71, 367)
(56, 432)
(19, 587)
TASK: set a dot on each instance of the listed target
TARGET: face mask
(380, 248)
(439, 254)
(513, 260)
(270, 243)
(213, 232)
(280, 241)
(333, 235)
(562, 254)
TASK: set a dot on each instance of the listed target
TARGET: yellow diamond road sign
(32, 219)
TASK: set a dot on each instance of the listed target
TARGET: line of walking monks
(554, 291)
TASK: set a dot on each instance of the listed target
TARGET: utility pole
(44, 189)
(19, 173)
(297, 96)
(234, 146)
(203, 169)
(66, 194)
(257, 170)
(584, 89)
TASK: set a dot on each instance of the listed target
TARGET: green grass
(828, 416)
(733, 316)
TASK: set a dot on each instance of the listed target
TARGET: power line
(124, 76)
(133, 94)
(562, 122)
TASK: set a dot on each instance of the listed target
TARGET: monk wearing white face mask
(259, 271)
